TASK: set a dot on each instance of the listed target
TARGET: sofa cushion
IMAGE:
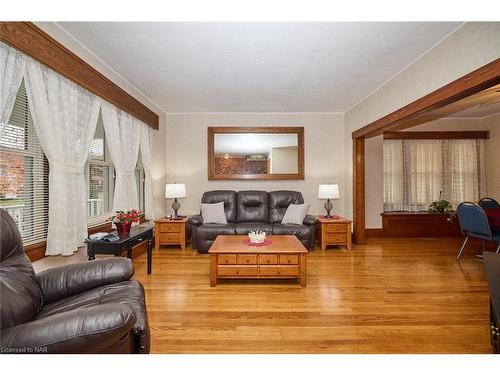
(302, 232)
(130, 293)
(20, 296)
(213, 213)
(226, 196)
(245, 228)
(279, 201)
(295, 214)
(253, 205)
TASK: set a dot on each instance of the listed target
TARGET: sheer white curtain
(465, 175)
(12, 65)
(393, 176)
(65, 117)
(146, 147)
(123, 138)
(417, 171)
(425, 168)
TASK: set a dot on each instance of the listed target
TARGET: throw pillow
(295, 214)
(213, 213)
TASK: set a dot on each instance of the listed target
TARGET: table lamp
(175, 191)
(329, 191)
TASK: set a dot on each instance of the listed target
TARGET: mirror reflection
(256, 153)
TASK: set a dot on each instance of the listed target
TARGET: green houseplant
(442, 206)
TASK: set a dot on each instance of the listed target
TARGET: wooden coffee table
(283, 258)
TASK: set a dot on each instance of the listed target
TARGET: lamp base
(328, 207)
(175, 206)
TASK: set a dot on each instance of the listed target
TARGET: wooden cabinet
(170, 232)
(335, 232)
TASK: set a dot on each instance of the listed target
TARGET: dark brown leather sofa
(90, 307)
(248, 211)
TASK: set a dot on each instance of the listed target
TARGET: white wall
(160, 136)
(470, 47)
(374, 161)
(324, 155)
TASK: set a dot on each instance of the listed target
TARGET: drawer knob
(248, 260)
(226, 260)
(269, 261)
(237, 272)
(289, 261)
(279, 272)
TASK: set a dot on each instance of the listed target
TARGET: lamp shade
(330, 191)
(175, 191)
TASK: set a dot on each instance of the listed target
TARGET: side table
(335, 232)
(170, 232)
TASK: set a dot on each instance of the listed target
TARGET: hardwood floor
(389, 296)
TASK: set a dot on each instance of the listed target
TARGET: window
(24, 173)
(99, 178)
(418, 172)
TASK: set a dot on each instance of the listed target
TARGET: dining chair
(474, 223)
(487, 202)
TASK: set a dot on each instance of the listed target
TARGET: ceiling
(258, 67)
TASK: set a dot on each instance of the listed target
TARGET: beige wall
(160, 136)
(374, 161)
(468, 48)
(324, 154)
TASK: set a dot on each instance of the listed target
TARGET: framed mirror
(255, 153)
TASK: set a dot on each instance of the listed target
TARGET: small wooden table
(335, 232)
(137, 235)
(170, 232)
(231, 258)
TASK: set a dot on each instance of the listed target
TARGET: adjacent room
(250, 187)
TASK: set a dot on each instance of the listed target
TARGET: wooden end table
(231, 258)
(335, 232)
(170, 232)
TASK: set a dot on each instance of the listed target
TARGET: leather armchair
(248, 211)
(90, 307)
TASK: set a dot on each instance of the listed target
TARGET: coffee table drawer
(279, 271)
(336, 238)
(247, 259)
(169, 237)
(289, 259)
(170, 227)
(268, 259)
(226, 259)
(237, 271)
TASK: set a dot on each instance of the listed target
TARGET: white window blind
(99, 178)
(24, 173)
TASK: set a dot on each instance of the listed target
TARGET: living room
(250, 187)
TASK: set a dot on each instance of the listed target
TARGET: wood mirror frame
(212, 131)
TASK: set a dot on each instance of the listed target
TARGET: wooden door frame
(472, 83)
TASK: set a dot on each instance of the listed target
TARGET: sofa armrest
(61, 282)
(195, 220)
(310, 220)
(95, 329)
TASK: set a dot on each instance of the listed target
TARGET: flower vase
(123, 228)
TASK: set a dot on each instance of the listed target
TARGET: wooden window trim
(34, 42)
(438, 135)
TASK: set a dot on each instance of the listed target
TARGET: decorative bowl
(257, 236)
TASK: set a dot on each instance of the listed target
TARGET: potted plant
(442, 206)
(124, 219)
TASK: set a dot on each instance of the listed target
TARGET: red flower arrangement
(131, 216)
